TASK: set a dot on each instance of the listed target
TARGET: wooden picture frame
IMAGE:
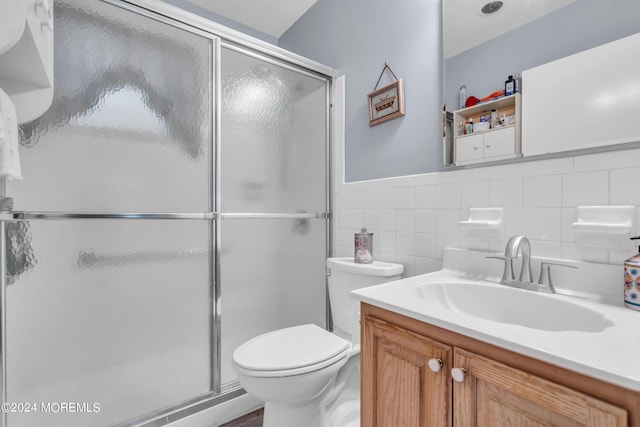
(386, 103)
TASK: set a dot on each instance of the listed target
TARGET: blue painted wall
(574, 28)
(356, 37)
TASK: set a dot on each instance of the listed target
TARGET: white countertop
(610, 355)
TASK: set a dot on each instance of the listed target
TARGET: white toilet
(305, 375)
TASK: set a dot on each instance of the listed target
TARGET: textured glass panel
(110, 312)
(130, 124)
(273, 137)
(273, 276)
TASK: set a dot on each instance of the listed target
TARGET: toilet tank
(344, 276)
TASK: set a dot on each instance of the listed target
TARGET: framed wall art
(387, 102)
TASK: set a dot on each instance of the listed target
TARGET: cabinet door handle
(458, 374)
(475, 147)
(435, 365)
(488, 145)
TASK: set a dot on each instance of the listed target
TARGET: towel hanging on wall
(9, 139)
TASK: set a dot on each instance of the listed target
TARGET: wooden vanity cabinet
(500, 387)
(398, 388)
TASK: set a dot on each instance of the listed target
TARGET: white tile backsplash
(425, 265)
(448, 195)
(357, 200)
(414, 217)
(622, 183)
(405, 243)
(585, 189)
(387, 198)
(387, 241)
(371, 220)
(542, 191)
(356, 220)
(387, 220)
(426, 221)
(546, 249)
(371, 200)
(426, 197)
(505, 193)
(542, 223)
(573, 251)
(405, 220)
(569, 216)
(448, 221)
(546, 167)
(425, 245)
(512, 221)
(474, 194)
(405, 198)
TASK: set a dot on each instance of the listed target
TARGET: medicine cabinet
(502, 141)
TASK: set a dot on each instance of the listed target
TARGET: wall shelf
(484, 223)
(605, 226)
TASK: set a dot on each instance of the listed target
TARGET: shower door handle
(20, 215)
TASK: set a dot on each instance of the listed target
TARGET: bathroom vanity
(431, 359)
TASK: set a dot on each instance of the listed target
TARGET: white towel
(9, 138)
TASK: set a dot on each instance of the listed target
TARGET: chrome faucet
(520, 244)
(514, 245)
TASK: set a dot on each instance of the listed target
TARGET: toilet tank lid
(376, 268)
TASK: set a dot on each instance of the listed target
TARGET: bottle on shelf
(463, 96)
(494, 118)
(469, 126)
(509, 86)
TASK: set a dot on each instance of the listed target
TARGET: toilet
(306, 375)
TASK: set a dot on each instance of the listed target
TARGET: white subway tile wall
(414, 217)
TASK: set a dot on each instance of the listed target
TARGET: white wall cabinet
(585, 100)
(26, 64)
(493, 144)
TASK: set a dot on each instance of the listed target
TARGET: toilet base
(346, 415)
(276, 415)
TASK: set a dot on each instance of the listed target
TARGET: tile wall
(414, 217)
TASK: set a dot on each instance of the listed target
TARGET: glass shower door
(109, 304)
(273, 198)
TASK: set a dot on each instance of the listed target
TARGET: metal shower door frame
(220, 36)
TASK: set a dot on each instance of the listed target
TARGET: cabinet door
(495, 395)
(469, 148)
(501, 142)
(398, 387)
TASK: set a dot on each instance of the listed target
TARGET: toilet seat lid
(289, 348)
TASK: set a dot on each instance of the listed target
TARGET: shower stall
(174, 205)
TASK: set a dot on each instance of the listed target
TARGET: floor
(253, 419)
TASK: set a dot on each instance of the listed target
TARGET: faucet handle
(507, 274)
(545, 273)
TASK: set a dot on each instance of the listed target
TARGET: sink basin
(503, 304)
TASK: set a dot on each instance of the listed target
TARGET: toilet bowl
(306, 375)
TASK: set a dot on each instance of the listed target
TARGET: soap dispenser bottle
(632, 281)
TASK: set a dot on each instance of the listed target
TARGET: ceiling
(464, 25)
(272, 17)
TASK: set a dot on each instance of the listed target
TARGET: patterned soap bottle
(632, 281)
